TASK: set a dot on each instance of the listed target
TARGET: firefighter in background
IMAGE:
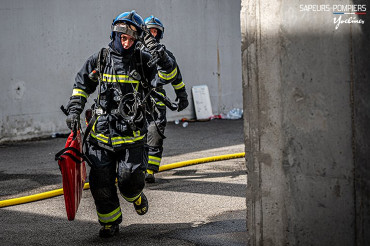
(115, 145)
(155, 140)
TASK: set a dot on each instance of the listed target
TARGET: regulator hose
(58, 192)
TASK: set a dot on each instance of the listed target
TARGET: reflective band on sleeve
(154, 160)
(157, 102)
(131, 199)
(110, 217)
(168, 76)
(79, 92)
(178, 86)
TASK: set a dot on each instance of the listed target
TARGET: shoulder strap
(63, 152)
(102, 59)
(101, 62)
(139, 62)
(74, 150)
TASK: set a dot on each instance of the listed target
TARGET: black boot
(149, 176)
(141, 204)
(108, 230)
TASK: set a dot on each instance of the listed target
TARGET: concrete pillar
(360, 71)
(306, 102)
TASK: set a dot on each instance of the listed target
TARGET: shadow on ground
(46, 230)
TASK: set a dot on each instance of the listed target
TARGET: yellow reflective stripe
(178, 86)
(93, 127)
(159, 103)
(137, 134)
(119, 78)
(79, 92)
(154, 160)
(100, 137)
(131, 199)
(168, 76)
(116, 140)
(108, 78)
(110, 217)
(138, 201)
(121, 140)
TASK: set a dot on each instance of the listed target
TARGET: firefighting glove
(182, 97)
(157, 50)
(150, 42)
(72, 121)
(75, 107)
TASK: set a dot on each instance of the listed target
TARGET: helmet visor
(126, 29)
(155, 26)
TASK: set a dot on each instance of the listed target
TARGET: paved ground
(202, 204)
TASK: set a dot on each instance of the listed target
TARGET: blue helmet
(154, 22)
(130, 18)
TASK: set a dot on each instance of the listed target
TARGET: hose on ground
(58, 192)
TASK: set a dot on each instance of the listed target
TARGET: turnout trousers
(128, 166)
(155, 140)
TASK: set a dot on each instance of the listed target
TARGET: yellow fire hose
(58, 192)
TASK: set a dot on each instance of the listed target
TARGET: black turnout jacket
(120, 91)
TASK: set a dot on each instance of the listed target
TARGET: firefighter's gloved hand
(150, 42)
(72, 121)
(183, 103)
(161, 52)
(156, 49)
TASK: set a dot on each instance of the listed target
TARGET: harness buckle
(99, 111)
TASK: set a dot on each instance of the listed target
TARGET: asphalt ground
(201, 204)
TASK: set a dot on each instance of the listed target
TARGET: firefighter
(115, 144)
(155, 140)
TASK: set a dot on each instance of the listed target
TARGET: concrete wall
(306, 102)
(43, 43)
(360, 87)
